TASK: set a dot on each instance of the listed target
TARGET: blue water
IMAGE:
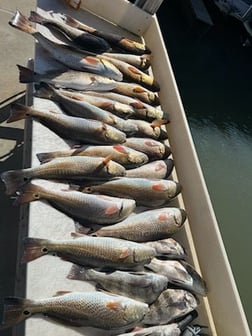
(213, 73)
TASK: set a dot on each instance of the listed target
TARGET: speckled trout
(146, 192)
(90, 208)
(147, 226)
(141, 286)
(101, 252)
(92, 309)
(69, 168)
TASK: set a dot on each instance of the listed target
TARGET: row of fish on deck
(120, 162)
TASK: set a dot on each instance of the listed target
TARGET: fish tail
(71, 21)
(37, 18)
(34, 248)
(45, 91)
(20, 22)
(19, 112)
(29, 193)
(13, 179)
(26, 75)
(45, 157)
(187, 320)
(77, 273)
(16, 310)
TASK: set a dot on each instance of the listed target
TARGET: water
(213, 73)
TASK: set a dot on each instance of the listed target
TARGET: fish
(196, 329)
(127, 157)
(69, 56)
(101, 252)
(141, 286)
(69, 79)
(77, 309)
(82, 39)
(98, 209)
(68, 168)
(141, 110)
(146, 226)
(142, 62)
(122, 110)
(122, 42)
(133, 74)
(137, 91)
(170, 305)
(172, 329)
(168, 248)
(146, 192)
(74, 104)
(155, 150)
(180, 273)
(158, 169)
(68, 127)
(150, 129)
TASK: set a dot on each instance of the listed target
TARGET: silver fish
(77, 309)
(122, 42)
(180, 274)
(73, 168)
(127, 157)
(68, 127)
(70, 79)
(158, 169)
(154, 149)
(82, 39)
(74, 104)
(171, 304)
(90, 208)
(71, 57)
(168, 248)
(146, 226)
(141, 286)
(139, 61)
(101, 252)
(146, 192)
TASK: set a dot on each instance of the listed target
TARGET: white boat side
(221, 310)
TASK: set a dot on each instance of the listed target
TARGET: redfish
(69, 168)
(146, 192)
(90, 208)
(101, 252)
(158, 169)
(146, 226)
(77, 309)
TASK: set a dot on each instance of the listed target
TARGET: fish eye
(26, 312)
(25, 179)
(36, 195)
(44, 250)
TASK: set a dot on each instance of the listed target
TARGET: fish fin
(159, 122)
(19, 112)
(45, 91)
(45, 157)
(114, 305)
(29, 193)
(20, 22)
(61, 293)
(124, 253)
(15, 311)
(139, 89)
(70, 21)
(187, 319)
(36, 17)
(198, 282)
(104, 163)
(77, 235)
(79, 228)
(13, 179)
(134, 70)
(77, 272)
(26, 75)
(34, 248)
